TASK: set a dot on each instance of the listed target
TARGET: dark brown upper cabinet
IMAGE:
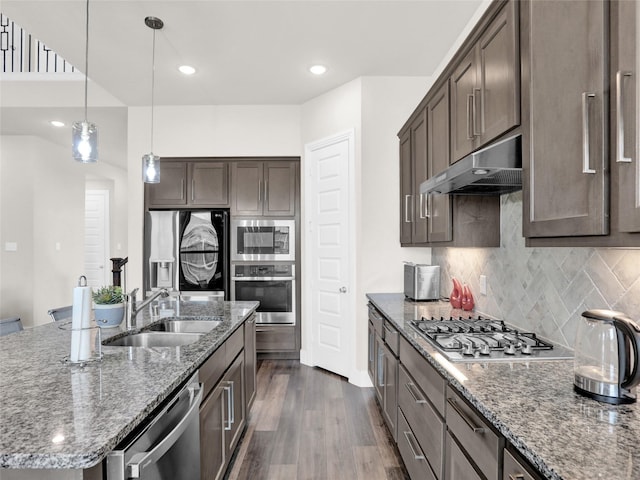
(626, 86)
(182, 183)
(264, 188)
(564, 55)
(485, 85)
(438, 206)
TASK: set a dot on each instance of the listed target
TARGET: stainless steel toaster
(421, 282)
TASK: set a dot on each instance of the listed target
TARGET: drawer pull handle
(470, 423)
(516, 476)
(416, 398)
(411, 440)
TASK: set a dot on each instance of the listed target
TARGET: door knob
(343, 289)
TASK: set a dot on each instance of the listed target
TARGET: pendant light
(84, 135)
(151, 162)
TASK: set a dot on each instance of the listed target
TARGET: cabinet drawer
(458, 466)
(424, 420)
(391, 338)
(275, 338)
(234, 345)
(212, 369)
(413, 457)
(425, 376)
(514, 468)
(377, 319)
(475, 435)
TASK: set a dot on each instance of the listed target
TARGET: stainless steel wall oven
(273, 285)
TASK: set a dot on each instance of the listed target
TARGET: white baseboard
(360, 378)
(305, 358)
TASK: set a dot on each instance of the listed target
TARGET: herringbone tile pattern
(543, 289)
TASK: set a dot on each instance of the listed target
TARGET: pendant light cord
(153, 77)
(86, 64)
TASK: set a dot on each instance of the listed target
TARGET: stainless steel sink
(185, 326)
(154, 339)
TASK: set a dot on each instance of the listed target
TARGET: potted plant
(108, 306)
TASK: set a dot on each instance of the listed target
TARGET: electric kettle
(607, 353)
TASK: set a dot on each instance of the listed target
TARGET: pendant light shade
(151, 162)
(84, 135)
(84, 138)
(151, 168)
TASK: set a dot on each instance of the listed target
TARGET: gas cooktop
(478, 339)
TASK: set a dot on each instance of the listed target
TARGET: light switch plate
(483, 284)
(11, 246)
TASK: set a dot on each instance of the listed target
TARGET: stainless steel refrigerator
(187, 251)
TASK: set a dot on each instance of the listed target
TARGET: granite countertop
(56, 415)
(532, 403)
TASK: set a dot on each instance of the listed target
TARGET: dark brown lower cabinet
(457, 466)
(412, 455)
(223, 410)
(212, 448)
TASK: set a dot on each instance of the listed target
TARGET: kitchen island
(532, 404)
(56, 415)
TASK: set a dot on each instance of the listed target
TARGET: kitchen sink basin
(154, 339)
(185, 326)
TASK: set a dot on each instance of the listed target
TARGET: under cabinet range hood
(493, 170)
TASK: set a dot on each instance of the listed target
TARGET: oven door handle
(265, 279)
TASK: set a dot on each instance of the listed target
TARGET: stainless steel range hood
(494, 170)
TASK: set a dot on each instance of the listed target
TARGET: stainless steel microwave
(263, 240)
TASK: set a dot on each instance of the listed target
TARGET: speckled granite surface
(54, 415)
(533, 405)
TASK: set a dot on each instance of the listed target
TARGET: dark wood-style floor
(307, 423)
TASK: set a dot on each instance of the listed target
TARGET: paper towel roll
(81, 322)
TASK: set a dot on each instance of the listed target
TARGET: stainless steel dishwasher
(167, 447)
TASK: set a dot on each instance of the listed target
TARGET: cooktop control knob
(510, 349)
(467, 349)
(485, 350)
(527, 350)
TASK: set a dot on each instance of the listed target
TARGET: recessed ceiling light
(318, 69)
(187, 70)
(57, 123)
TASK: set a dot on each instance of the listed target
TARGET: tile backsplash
(542, 289)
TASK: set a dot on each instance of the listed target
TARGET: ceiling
(245, 52)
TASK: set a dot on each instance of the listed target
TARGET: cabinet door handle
(516, 476)
(182, 193)
(411, 440)
(406, 208)
(232, 403)
(474, 117)
(586, 130)
(259, 191)
(620, 158)
(469, 110)
(193, 187)
(422, 209)
(266, 191)
(416, 397)
(470, 423)
(227, 422)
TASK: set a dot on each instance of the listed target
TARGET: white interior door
(330, 317)
(97, 266)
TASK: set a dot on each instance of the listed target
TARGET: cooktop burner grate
(484, 339)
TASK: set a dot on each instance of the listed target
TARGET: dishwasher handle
(141, 460)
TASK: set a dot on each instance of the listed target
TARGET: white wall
(42, 210)
(376, 107)
(201, 131)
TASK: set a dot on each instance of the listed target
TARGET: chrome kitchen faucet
(132, 310)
